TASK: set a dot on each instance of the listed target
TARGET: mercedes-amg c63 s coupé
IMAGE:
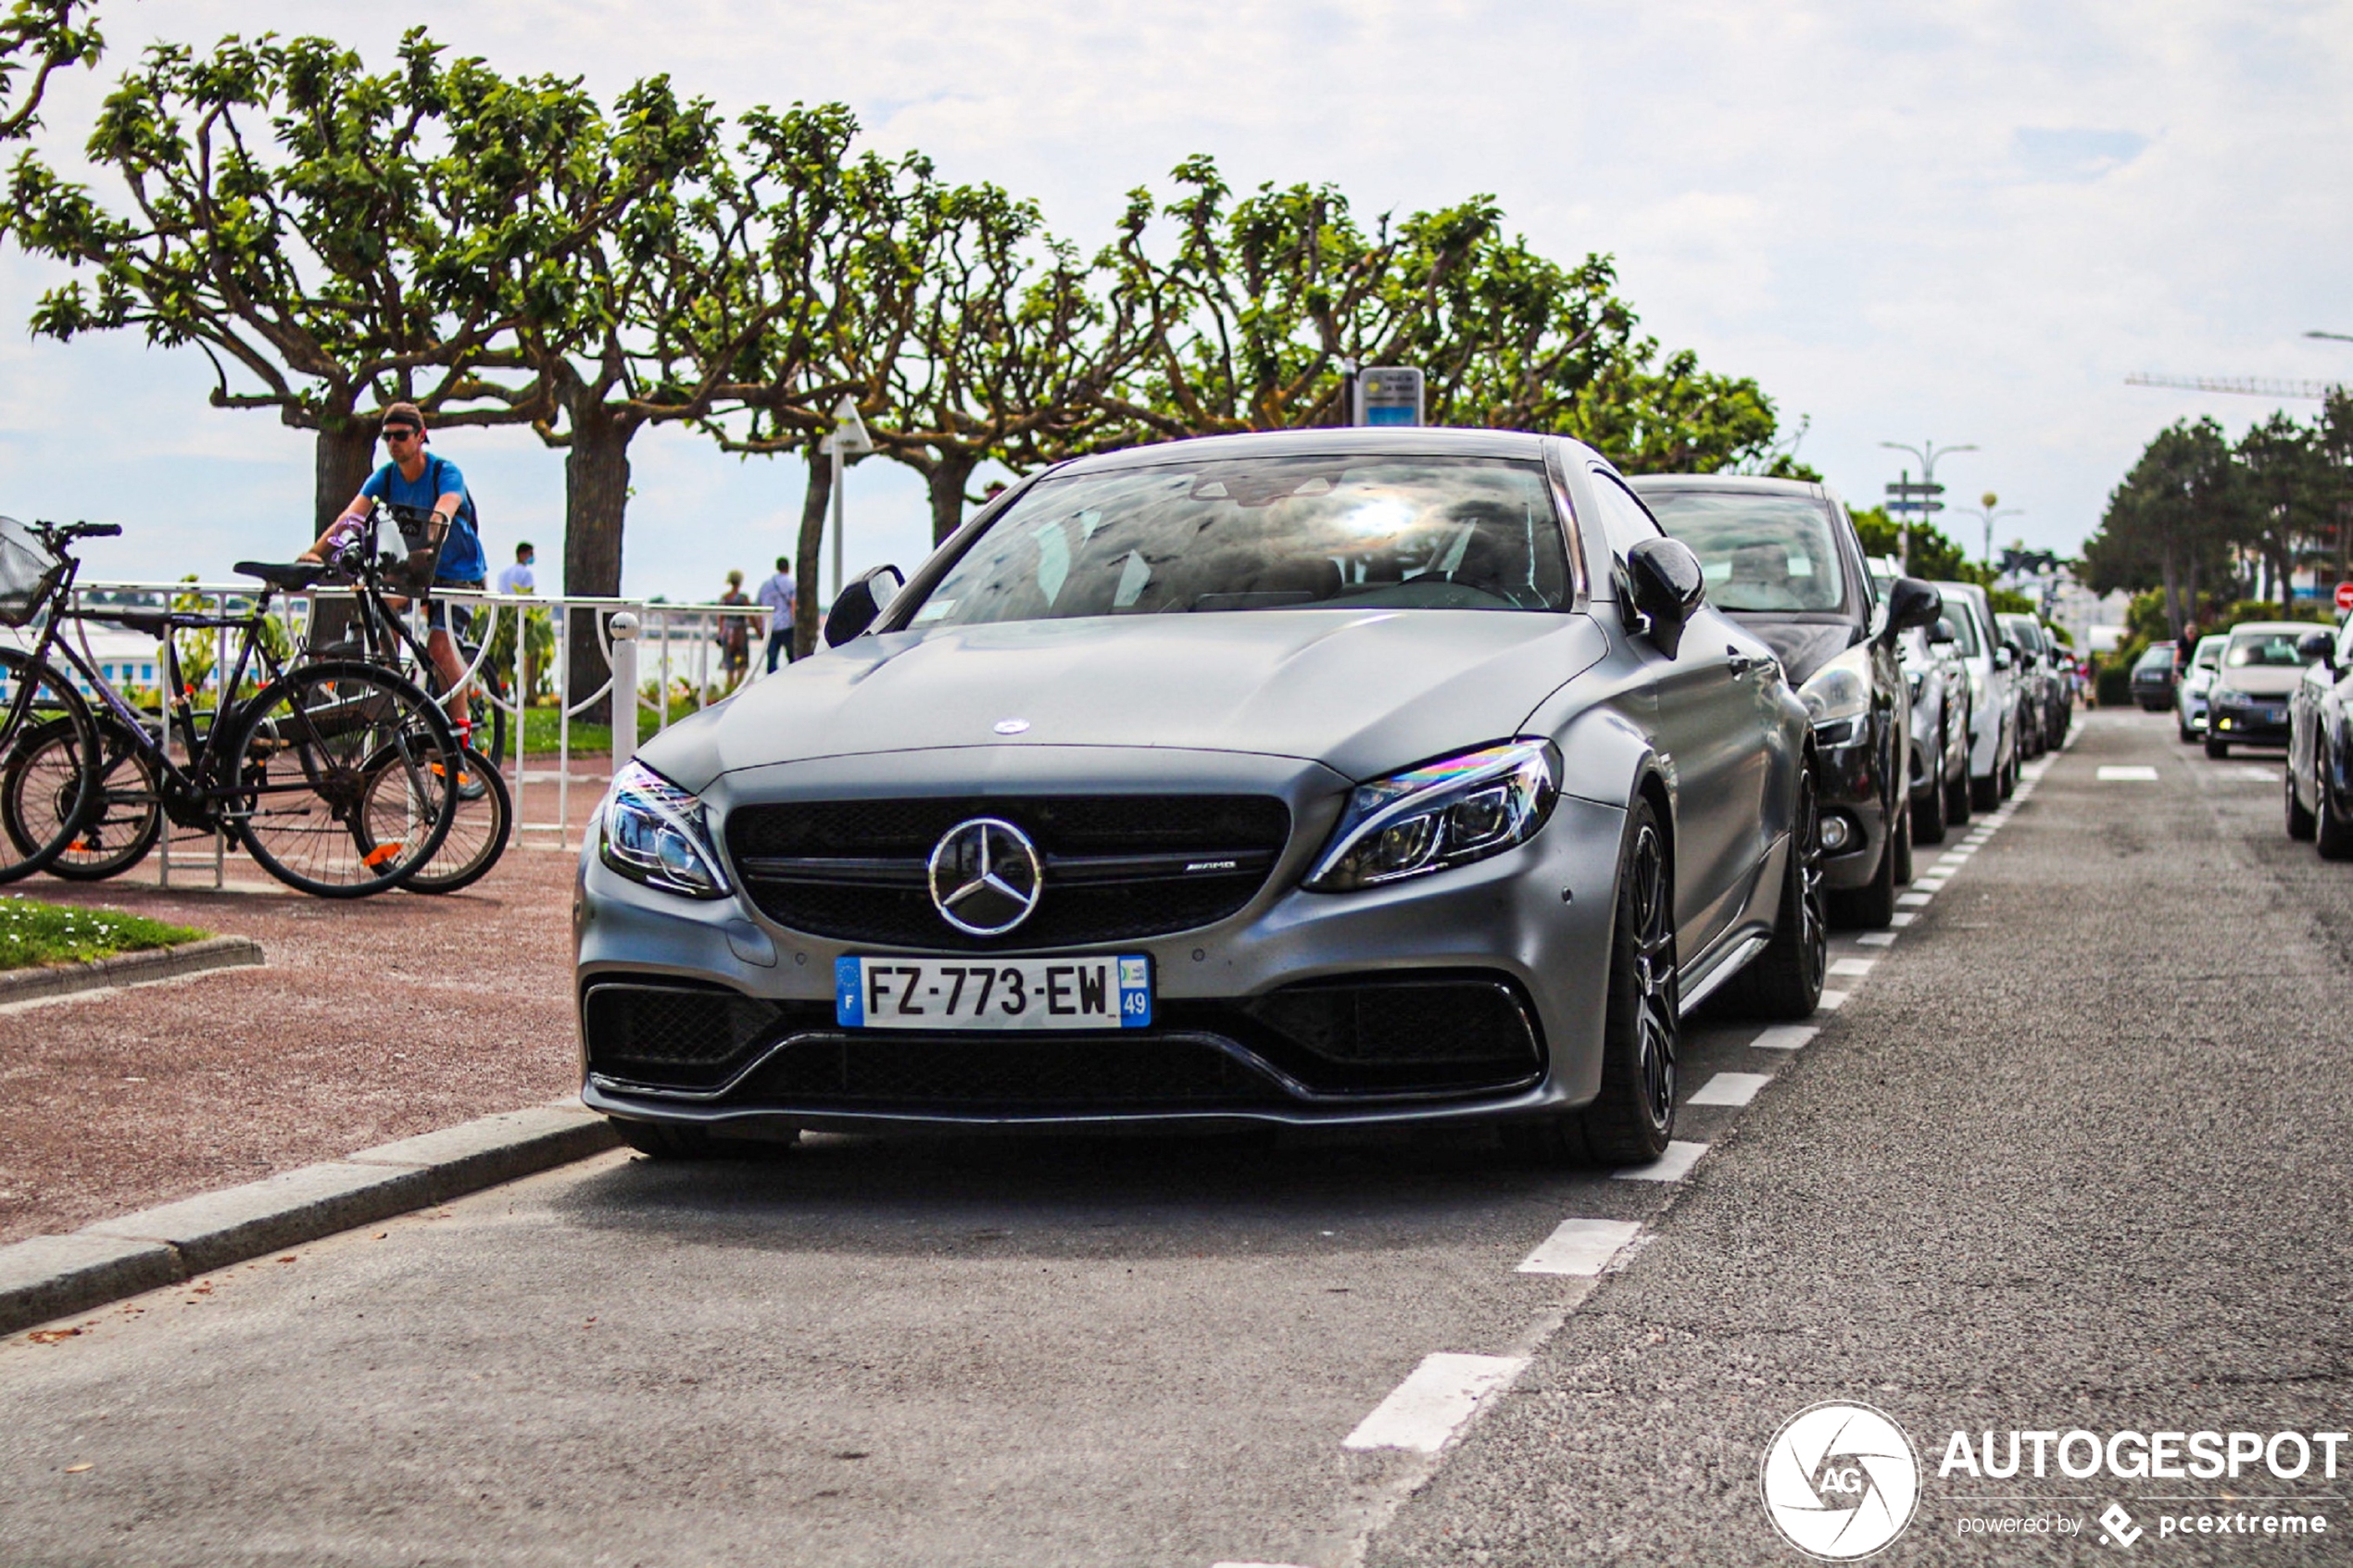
(1318, 777)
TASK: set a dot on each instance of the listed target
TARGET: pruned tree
(38, 39)
(2288, 493)
(332, 240)
(2170, 522)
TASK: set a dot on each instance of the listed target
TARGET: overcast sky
(1965, 222)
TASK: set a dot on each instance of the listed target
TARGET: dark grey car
(1308, 778)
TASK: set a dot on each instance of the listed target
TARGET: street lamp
(1985, 509)
(1925, 502)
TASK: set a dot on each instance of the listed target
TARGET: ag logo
(1840, 1481)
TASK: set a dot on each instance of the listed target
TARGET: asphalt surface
(2070, 1156)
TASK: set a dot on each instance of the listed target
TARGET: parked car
(2062, 686)
(1307, 777)
(2031, 673)
(2248, 703)
(1782, 559)
(2153, 678)
(1938, 683)
(2189, 693)
(2319, 776)
(1992, 755)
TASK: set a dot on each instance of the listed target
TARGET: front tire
(2332, 831)
(2217, 749)
(2301, 824)
(1871, 906)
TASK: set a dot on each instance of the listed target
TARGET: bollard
(623, 629)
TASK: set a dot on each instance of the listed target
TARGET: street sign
(2344, 596)
(1905, 487)
(1389, 396)
(849, 437)
(1915, 505)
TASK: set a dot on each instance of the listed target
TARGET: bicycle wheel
(488, 735)
(311, 805)
(56, 781)
(478, 829)
(121, 824)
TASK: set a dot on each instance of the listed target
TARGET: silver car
(1992, 744)
(1318, 777)
(2189, 693)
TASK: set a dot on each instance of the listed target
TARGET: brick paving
(374, 1019)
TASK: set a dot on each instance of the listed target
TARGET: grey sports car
(1333, 776)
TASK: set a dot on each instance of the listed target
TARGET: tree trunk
(596, 496)
(347, 456)
(2172, 591)
(948, 478)
(809, 551)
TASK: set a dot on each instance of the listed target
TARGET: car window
(1625, 521)
(2262, 649)
(1303, 533)
(1757, 552)
(1965, 640)
(2160, 656)
(2210, 653)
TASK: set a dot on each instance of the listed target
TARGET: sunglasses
(401, 433)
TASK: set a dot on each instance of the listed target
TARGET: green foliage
(40, 37)
(35, 933)
(1934, 556)
(2010, 601)
(537, 630)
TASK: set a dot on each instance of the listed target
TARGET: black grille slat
(1116, 867)
(682, 1036)
(920, 1073)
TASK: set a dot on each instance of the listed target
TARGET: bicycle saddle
(292, 575)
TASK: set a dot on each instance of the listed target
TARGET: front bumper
(1223, 1048)
(1852, 782)
(2249, 724)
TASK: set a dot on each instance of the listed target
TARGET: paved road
(2068, 1156)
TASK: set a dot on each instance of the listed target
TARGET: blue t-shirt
(461, 559)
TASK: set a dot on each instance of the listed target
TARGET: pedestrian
(518, 578)
(734, 632)
(444, 552)
(782, 599)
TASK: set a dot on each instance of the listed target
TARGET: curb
(53, 1276)
(129, 969)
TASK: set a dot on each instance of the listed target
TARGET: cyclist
(449, 552)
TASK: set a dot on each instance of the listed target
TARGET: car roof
(1737, 483)
(1401, 441)
(2269, 626)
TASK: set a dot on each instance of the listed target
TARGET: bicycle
(481, 825)
(339, 778)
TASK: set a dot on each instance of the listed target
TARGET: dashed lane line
(1789, 1036)
(1431, 1405)
(1676, 1163)
(1830, 1002)
(1903, 918)
(1856, 967)
(1912, 901)
(1579, 1247)
(2134, 773)
(1730, 1088)
(1876, 939)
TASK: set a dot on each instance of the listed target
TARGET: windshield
(1957, 611)
(1758, 552)
(2209, 655)
(2261, 648)
(1384, 532)
(2159, 657)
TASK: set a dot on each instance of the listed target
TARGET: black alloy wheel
(2331, 829)
(2301, 824)
(1631, 1120)
(1929, 807)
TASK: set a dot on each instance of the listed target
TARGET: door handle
(1740, 663)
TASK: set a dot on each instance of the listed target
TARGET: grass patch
(33, 934)
(539, 731)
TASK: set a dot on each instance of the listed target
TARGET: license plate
(1089, 993)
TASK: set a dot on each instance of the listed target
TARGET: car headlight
(1444, 814)
(654, 833)
(1837, 696)
(2226, 696)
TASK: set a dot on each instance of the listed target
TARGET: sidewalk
(373, 1020)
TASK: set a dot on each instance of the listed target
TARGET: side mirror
(1667, 586)
(1943, 630)
(1910, 603)
(2002, 658)
(862, 599)
(2317, 647)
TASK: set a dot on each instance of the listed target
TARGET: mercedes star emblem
(985, 876)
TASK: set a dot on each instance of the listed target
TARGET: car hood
(2259, 680)
(1803, 646)
(1362, 692)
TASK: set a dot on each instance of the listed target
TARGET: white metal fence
(672, 657)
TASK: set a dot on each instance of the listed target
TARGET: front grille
(1117, 867)
(959, 1073)
(1383, 1035)
(678, 1033)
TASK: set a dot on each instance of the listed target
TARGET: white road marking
(1876, 939)
(1932, 881)
(1793, 1036)
(1672, 1166)
(1579, 1247)
(1912, 901)
(1428, 1407)
(1830, 1002)
(2133, 774)
(1852, 966)
(1252, 1565)
(1730, 1088)
(1962, 854)
(2267, 775)
(1902, 918)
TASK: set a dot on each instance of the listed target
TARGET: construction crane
(2253, 386)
